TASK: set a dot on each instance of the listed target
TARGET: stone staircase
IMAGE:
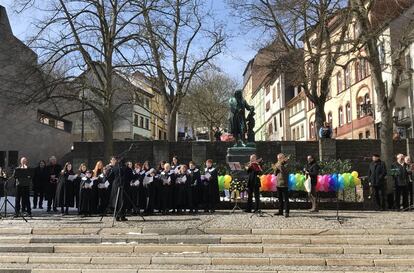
(209, 250)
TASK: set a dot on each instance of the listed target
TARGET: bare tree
(373, 18)
(180, 38)
(309, 25)
(91, 44)
(206, 104)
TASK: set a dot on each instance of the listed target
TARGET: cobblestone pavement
(225, 219)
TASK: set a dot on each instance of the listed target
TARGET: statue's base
(240, 154)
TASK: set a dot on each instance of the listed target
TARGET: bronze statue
(238, 128)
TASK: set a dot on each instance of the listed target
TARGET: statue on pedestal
(238, 125)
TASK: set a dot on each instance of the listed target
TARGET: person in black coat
(401, 179)
(410, 182)
(23, 183)
(167, 180)
(53, 170)
(119, 176)
(86, 202)
(148, 182)
(312, 171)
(65, 192)
(77, 182)
(40, 181)
(135, 185)
(211, 189)
(376, 176)
(195, 189)
(182, 184)
(253, 184)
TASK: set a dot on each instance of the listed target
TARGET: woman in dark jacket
(312, 170)
(282, 174)
(65, 191)
(253, 185)
(40, 181)
(376, 176)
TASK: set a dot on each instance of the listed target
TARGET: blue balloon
(341, 182)
(292, 182)
(336, 182)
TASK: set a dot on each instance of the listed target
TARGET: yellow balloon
(355, 174)
(227, 179)
(357, 182)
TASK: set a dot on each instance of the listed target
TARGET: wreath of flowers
(238, 185)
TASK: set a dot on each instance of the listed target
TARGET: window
(363, 102)
(360, 136)
(302, 131)
(165, 135)
(347, 77)
(54, 121)
(348, 113)
(340, 116)
(293, 134)
(135, 120)
(270, 128)
(267, 106)
(312, 130)
(141, 122)
(330, 118)
(381, 52)
(278, 90)
(280, 120)
(2, 159)
(13, 159)
(267, 90)
(339, 82)
(273, 94)
(147, 123)
(361, 70)
(367, 134)
(275, 123)
(159, 134)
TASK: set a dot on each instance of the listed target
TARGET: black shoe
(123, 219)
(212, 211)
(48, 209)
(55, 210)
(34, 207)
(287, 215)
(248, 210)
(279, 214)
(40, 207)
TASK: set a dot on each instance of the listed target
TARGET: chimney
(5, 28)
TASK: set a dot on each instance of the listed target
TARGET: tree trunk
(320, 117)
(387, 143)
(108, 131)
(172, 125)
(211, 133)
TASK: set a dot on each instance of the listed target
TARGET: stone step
(200, 248)
(185, 231)
(218, 260)
(196, 270)
(209, 239)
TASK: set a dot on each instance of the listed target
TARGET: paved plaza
(223, 242)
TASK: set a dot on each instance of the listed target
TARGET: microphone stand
(7, 201)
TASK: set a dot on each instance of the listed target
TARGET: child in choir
(86, 206)
(76, 183)
(167, 179)
(158, 186)
(182, 185)
(175, 166)
(103, 191)
(210, 190)
(142, 192)
(194, 190)
(135, 185)
(97, 176)
(65, 191)
(148, 184)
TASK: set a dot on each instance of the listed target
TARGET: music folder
(235, 166)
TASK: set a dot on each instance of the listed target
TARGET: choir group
(127, 187)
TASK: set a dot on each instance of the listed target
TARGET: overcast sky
(232, 61)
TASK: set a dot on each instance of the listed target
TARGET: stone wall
(358, 151)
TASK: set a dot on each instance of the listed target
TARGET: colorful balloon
(355, 174)
(221, 183)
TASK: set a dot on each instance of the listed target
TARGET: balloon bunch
(337, 182)
(224, 182)
(268, 183)
(296, 182)
(325, 183)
